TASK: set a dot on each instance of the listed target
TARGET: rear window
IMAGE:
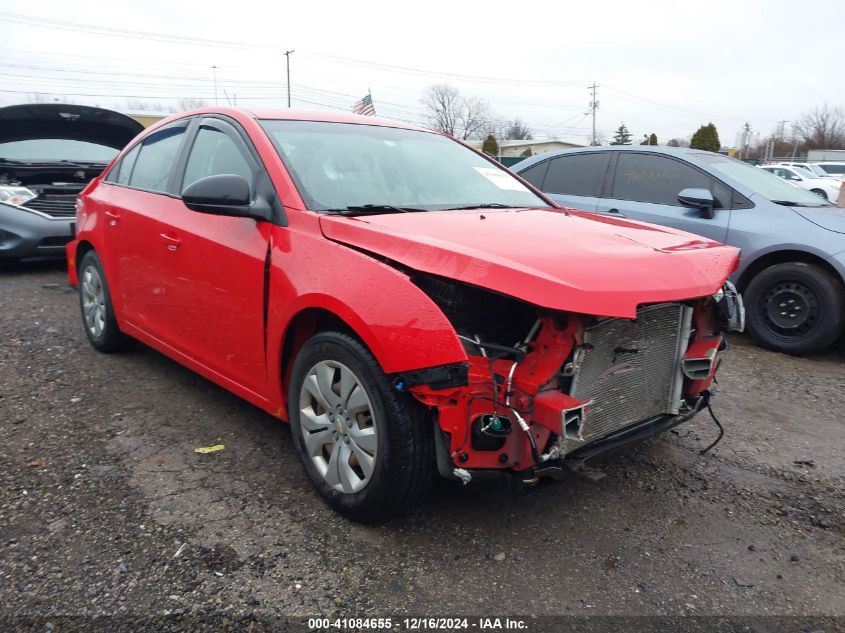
(155, 161)
(121, 173)
(837, 170)
(577, 175)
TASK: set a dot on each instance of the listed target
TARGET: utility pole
(746, 132)
(593, 107)
(782, 129)
(287, 60)
(214, 72)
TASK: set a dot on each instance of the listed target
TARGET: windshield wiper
(371, 209)
(786, 203)
(485, 205)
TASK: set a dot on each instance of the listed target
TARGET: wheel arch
(394, 348)
(305, 324)
(82, 248)
(783, 257)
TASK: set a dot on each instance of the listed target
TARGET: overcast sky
(663, 67)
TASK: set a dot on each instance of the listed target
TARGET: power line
(181, 39)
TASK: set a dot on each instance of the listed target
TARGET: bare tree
(189, 103)
(516, 130)
(443, 103)
(473, 117)
(678, 142)
(40, 97)
(148, 106)
(448, 111)
(822, 128)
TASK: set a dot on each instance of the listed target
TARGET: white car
(804, 178)
(816, 169)
(834, 169)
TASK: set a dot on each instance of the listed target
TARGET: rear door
(212, 267)
(575, 180)
(133, 196)
(645, 187)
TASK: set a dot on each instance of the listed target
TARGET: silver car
(49, 152)
(792, 241)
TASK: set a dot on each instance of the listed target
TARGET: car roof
(680, 152)
(280, 114)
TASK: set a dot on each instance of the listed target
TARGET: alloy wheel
(93, 301)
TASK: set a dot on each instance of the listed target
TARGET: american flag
(365, 106)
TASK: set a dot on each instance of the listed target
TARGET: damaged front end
(542, 387)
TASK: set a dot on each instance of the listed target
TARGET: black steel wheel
(795, 307)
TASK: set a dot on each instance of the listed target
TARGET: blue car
(792, 241)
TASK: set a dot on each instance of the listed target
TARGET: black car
(48, 153)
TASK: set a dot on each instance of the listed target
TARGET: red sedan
(408, 305)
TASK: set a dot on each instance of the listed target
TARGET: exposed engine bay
(52, 188)
(542, 385)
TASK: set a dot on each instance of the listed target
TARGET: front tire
(365, 447)
(819, 192)
(795, 308)
(96, 307)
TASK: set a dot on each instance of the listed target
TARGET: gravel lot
(106, 509)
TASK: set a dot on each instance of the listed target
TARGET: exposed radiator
(632, 371)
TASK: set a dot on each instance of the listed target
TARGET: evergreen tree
(527, 152)
(706, 138)
(490, 146)
(622, 136)
(652, 140)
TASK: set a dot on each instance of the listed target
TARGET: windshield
(50, 150)
(341, 165)
(818, 171)
(763, 182)
(805, 171)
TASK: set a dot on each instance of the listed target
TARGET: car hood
(69, 122)
(830, 218)
(563, 260)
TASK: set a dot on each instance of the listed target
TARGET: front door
(645, 187)
(212, 267)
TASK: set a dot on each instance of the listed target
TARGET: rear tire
(96, 307)
(366, 448)
(795, 308)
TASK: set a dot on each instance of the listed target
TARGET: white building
(513, 149)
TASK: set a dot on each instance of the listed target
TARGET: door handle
(616, 212)
(113, 217)
(171, 242)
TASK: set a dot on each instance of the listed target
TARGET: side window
(154, 164)
(723, 195)
(215, 152)
(655, 179)
(535, 173)
(122, 171)
(577, 175)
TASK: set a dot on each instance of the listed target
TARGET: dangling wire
(706, 397)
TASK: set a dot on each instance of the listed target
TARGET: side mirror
(222, 194)
(699, 198)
